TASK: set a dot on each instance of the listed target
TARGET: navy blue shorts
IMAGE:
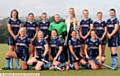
(104, 41)
(11, 41)
(114, 41)
(83, 41)
(23, 54)
(77, 53)
(61, 58)
(93, 53)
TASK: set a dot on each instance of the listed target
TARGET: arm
(100, 53)
(85, 51)
(100, 50)
(35, 33)
(91, 27)
(72, 51)
(105, 28)
(115, 30)
(59, 52)
(21, 25)
(49, 53)
(81, 31)
(10, 31)
(46, 50)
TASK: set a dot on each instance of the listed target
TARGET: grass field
(81, 72)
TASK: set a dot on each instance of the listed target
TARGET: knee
(94, 67)
(24, 66)
(8, 55)
(37, 68)
(76, 67)
(29, 62)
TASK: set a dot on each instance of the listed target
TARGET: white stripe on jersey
(44, 27)
(110, 26)
(15, 25)
(85, 25)
(21, 44)
(77, 46)
(99, 28)
(39, 47)
(31, 28)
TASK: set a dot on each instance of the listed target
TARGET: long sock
(114, 59)
(11, 63)
(17, 64)
(7, 62)
(62, 65)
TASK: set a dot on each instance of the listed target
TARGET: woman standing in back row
(72, 24)
(113, 36)
(101, 30)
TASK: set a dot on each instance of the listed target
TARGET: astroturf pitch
(81, 72)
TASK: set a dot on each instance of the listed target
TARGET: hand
(32, 39)
(14, 37)
(109, 36)
(77, 58)
(60, 36)
(84, 37)
(87, 56)
(46, 37)
(101, 38)
(99, 58)
(55, 59)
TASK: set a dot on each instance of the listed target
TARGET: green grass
(81, 72)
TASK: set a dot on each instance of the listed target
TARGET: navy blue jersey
(76, 44)
(54, 45)
(114, 41)
(31, 29)
(22, 44)
(93, 48)
(111, 24)
(44, 27)
(99, 28)
(92, 44)
(15, 25)
(85, 24)
(39, 46)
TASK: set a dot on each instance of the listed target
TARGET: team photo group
(62, 44)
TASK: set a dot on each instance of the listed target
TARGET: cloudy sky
(56, 6)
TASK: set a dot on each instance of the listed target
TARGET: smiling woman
(45, 38)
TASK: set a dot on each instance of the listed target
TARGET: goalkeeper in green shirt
(59, 25)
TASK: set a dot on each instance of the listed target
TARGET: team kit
(62, 44)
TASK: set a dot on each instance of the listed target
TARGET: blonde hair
(85, 10)
(22, 29)
(38, 33)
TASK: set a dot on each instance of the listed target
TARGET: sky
(57, 6)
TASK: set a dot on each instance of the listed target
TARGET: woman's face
(71, 11)
(22, 33)
(74, 34)
(93, 34)
(112, 14)
(14, 14)
(57, 18)
(85, 14)
(40, 35)
(43, 17)
(53, 33)
(99, 16)
(30, 17)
